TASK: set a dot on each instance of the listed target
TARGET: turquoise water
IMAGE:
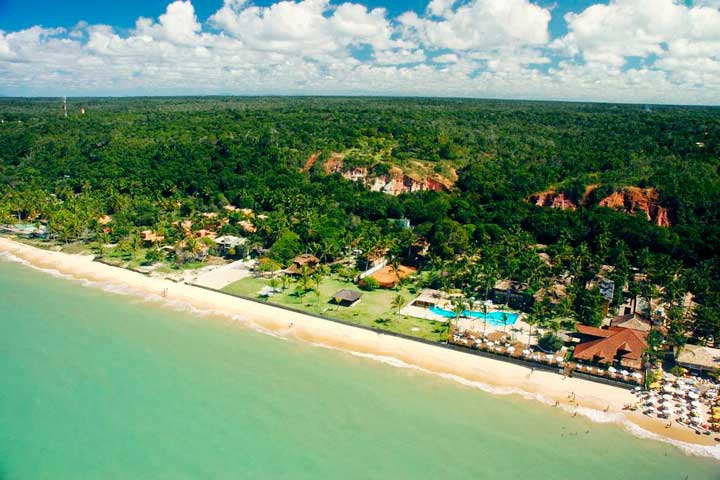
(98, 386)
(492, 318)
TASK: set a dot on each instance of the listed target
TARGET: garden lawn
(373, 310)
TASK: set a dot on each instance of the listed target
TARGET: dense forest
(149, 162)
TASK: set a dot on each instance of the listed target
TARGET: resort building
(388, 277)
(634, 321)
(623, 346)
(555, 295)
(202, 233)
(347, 297)
(26, 230)
(429, 298)
(304, 262)
(228, 242)
(512, 294)
(699, 359)
(151, 237)
(247, 226)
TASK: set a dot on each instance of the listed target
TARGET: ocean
(99, 385)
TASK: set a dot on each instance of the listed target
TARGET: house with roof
(347, 297)
(304, 262)
(151, 237)
(632, 320)
(609, 346)
(513, 294)
(226, 243)
(388, 277)
(429, 298)
(699, 359)
(202, 233)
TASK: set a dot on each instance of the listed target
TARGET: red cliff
(633, 200)
(552, 199)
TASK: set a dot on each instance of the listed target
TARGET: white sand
(491, 375)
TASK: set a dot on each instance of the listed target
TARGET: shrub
(369, 283)
(550, 342)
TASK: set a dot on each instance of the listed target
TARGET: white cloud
(307, 27)
(178, 24)
(401, 56)
(609, 33)
(479, 24)
(440, 8)
(447, 58)
(477, 48)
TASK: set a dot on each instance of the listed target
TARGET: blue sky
(645, 51)
(18, 14)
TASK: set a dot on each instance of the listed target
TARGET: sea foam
(597, 416)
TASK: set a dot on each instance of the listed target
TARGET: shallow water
(97, 385)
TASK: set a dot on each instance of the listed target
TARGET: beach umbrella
(667, 397)
(612, 370)
(693, 395)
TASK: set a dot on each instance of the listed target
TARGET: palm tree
(485, 314)
(284, 280)
(397, 303)
(532, 320)
(458, 309)
(304, 280)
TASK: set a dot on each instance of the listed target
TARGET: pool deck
(421, 312)
(518, 330)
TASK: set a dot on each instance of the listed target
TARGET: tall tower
(65, 106)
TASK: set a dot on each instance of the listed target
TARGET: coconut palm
(398, 302)
(533, 319)
(485, 315)
(458, 309)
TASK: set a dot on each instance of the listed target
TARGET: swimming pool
(493, 318)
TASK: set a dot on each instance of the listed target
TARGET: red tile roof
(615, 342)
(594, 331)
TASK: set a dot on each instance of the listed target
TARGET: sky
(634, 51)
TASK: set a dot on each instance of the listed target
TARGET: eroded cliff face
(395, 182)
(633, 200)
(552, 199)
(630, 200)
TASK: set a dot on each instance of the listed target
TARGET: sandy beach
(597, 401)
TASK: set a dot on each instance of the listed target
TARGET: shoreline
(598, 402)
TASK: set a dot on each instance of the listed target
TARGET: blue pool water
(493, 318)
